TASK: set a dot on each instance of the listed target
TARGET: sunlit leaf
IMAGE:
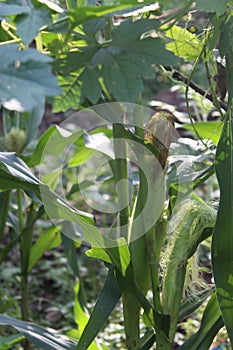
(184, 44)
(206, 130)
(104, 306)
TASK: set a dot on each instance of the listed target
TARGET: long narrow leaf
(222, 243)
(210, 325)
(38, 335)
(106, 302)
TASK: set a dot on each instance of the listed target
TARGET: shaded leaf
(7, 9)
(38, 335)
(28, 24)
(121, 65)
(222, 242)
(25, 78)
(212, 6)
(210, 324)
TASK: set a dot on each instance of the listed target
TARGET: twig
(180, 77)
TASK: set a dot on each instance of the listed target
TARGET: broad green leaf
(72, 91)
(222, 242)
(120, 64)
(7, 9)
(206, 130)
(184, 44)
(210, 324)
(212, 6)
(29, 24)
(38, 335)
(104, 306)
(226, 40)
(49, 239)
(25, 78)
(56, 137)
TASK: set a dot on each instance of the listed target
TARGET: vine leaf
(7, 9)
(118, 65)
(25, 78)
(29, 20)
(29, 24)
(184, 44)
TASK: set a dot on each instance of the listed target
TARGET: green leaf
(99, 253)
(38, 335)
(25, 78)
(119, 64)
(226, 40)
(71, 97)
(222, 242)
(190, 304)
(7, 9)
(104, 306)
(119, 256)
(49, 239)
(14, 173)
(29, 121)
(86, 13)
(210, 324)
(7, 342)
(18, 173)
(212, 6)
(62, 139)
(206, 130)
(29, 24)
(184, 44)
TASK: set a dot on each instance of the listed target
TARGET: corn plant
(95, 59)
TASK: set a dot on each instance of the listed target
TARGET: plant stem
(121, 179)
(25, 245)
(5, 197)
(131, 309)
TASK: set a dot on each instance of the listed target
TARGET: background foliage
(76, 54)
